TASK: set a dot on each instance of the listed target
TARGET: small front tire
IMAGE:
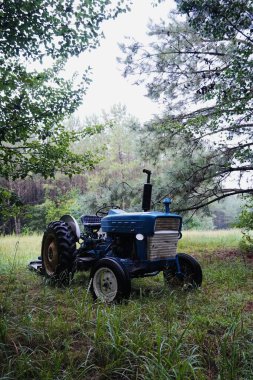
(110, 281)
(190, 276)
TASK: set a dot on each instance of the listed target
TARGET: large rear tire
(57, 251)
(190, 276)
(110, 281)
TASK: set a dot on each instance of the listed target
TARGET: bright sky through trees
(108, 87)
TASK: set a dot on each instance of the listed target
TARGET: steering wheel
(103, 211)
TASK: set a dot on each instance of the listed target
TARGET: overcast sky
(108, 87)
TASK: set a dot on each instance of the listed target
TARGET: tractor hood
(139, 222)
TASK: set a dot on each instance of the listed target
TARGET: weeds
(49, 332)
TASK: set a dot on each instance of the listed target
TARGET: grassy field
(50, 332)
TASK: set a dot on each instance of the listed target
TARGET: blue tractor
(117, 246)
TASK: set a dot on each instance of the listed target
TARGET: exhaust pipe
(147, 192)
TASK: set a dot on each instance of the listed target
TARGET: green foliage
(198, 222)
(56, 29)
(117, 178)
(246, 223)
(218, 19)
(38, 216)
(246, 217)
(199, 66)
(33, 133)
(225, 212)
(34, 103)
(10, 206)
(62, 204)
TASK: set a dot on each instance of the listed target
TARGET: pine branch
(228, 193)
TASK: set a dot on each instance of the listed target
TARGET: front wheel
(190, 275)
(110, 281)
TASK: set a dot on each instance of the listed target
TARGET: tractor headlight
(139, 237)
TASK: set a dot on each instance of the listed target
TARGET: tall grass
(50, 332)
(206, 241)
(21, 248)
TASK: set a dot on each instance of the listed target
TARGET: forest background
(198, 65)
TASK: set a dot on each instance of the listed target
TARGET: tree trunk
(17, 223)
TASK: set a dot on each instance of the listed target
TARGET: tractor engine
(123, 245)
(142, 235)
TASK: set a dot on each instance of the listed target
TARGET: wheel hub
(50, 254)
(51, 258)
(105, 284)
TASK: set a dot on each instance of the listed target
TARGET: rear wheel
(190, 276)
(58, 247)
(110, 281)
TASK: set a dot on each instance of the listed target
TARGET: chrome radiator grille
(164, 242)
(162, 245)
